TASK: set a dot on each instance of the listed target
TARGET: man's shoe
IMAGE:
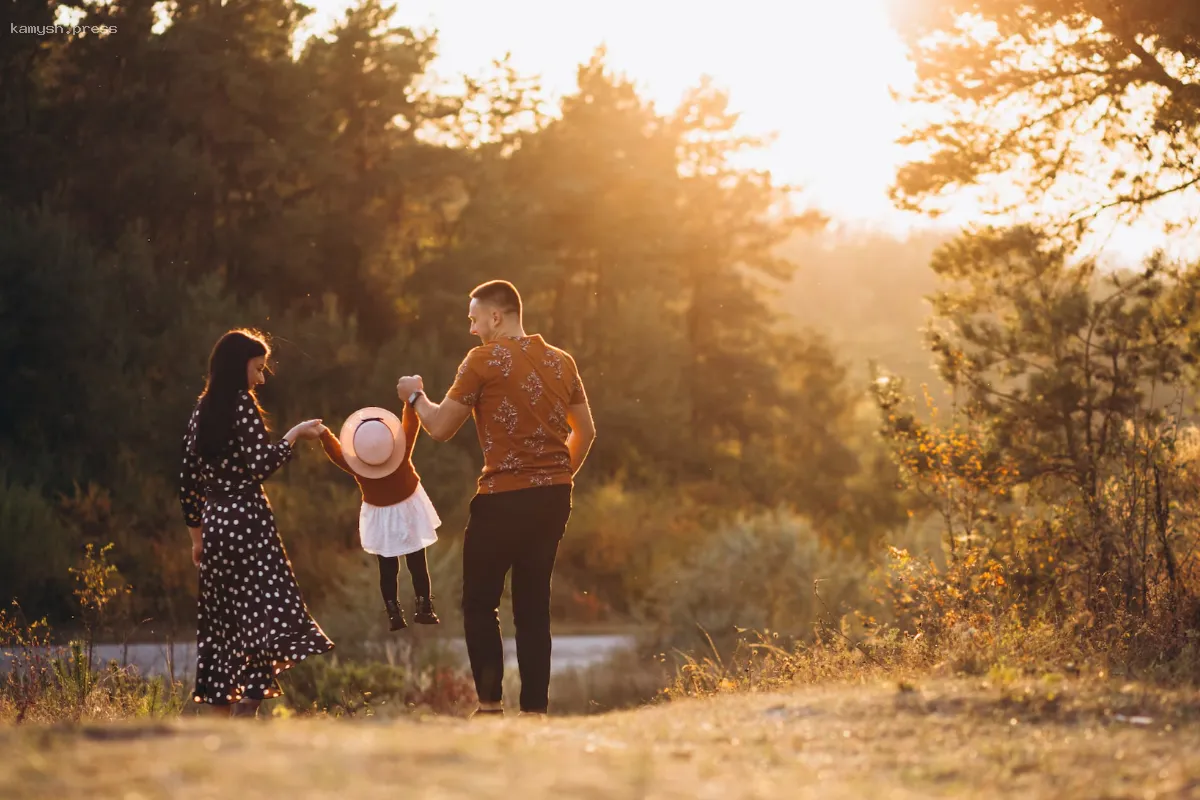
(424, 614)
(395, 615)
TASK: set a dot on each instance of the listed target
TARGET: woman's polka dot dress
(252, 622)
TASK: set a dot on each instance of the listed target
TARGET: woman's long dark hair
(226, 379)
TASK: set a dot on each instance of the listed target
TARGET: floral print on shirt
(519, 391)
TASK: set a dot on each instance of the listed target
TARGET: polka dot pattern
(252, 620)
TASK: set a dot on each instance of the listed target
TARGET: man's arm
(583, 433)
(441, 420)
(579, 419)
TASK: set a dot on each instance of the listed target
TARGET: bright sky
(817, 73)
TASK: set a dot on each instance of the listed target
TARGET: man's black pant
(518, 530)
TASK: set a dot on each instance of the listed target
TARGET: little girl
(397, 517)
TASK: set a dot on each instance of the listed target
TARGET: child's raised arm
(411, 424)
(333, 449)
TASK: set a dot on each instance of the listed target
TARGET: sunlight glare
(816, 73)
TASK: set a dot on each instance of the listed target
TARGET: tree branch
(1132, 199)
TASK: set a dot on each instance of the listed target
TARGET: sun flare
(818, 77)
(816, 74)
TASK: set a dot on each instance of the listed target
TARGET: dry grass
(60, 686)
(834, 718)
(1044, 738)
(1016, 708)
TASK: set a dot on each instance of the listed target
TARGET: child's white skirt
(400, 529)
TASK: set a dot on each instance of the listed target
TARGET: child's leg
(419, 568)
(389, 571)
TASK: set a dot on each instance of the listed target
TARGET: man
(535, 429)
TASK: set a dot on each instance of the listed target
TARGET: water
(570, 652)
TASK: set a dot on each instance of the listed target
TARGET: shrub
(768, 573)
(338, 688)
(36, 546)
(47, 684)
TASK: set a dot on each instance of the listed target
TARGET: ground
(953, 738)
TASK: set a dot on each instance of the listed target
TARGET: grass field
(944, 738)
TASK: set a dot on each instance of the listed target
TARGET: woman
(253, 623)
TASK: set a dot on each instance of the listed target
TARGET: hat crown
(373, 442)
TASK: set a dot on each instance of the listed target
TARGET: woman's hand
(310, 429)
(197, 545)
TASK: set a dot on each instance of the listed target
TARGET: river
(570, 652)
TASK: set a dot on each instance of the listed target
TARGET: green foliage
(97, 583)
(770, 573)
(1062, 472)
(347, 688)
(46, 684)
(324, 192)
(36, 548)
(1062, 479)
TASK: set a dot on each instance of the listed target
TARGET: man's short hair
(501, 294)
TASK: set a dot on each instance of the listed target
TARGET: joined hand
(409, 384)
(309, 429)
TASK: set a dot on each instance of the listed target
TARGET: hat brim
(346, 437)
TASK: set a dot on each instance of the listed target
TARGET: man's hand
(583, 433)
(409, 384)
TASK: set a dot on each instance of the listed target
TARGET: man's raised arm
(440, 420)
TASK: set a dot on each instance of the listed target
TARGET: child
(397, 516)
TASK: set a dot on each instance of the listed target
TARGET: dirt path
(945, 739)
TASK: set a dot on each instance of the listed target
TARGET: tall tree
(733, 223)
(1094, 104)
(648, 252)
(288, 177)
(1075, 380)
